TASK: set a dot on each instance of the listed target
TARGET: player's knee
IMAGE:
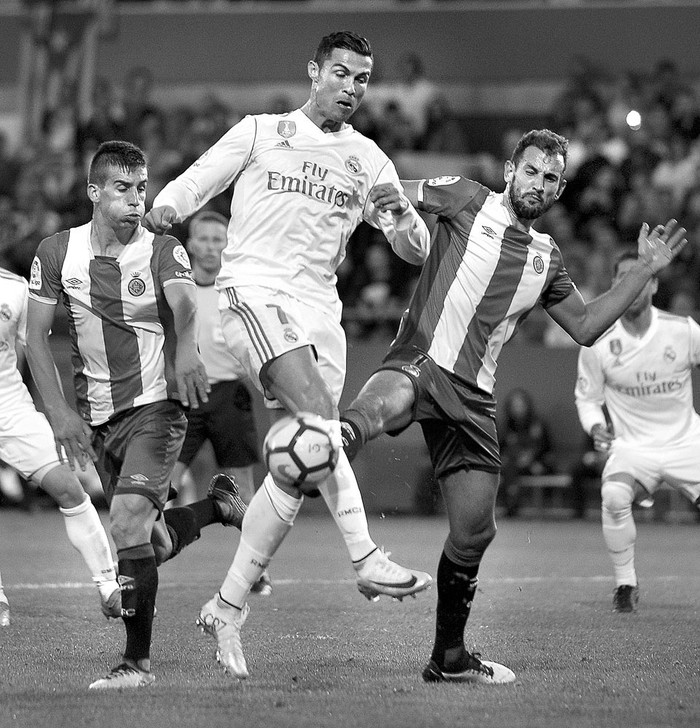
(467, 547)
(616, 497)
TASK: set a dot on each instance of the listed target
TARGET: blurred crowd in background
(634, 156)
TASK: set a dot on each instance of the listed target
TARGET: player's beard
(527, 211)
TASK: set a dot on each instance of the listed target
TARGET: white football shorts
(26, 440)
(260, 324)
(677, 464)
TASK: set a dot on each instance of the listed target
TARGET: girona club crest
(286, 129)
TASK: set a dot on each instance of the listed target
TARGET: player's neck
(637, 324)
(322, 122)
(107, 241)
(203, 277)
(518, 222)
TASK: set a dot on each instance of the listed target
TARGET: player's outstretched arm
(585, 322)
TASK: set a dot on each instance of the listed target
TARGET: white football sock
(619, 530)
(267, 521)
(342, 496)
(86, 533)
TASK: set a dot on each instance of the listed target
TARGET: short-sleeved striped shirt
(482, 278)
(121, 328)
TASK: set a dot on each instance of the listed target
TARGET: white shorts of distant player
(677, 464)
(26, 441)
(260, 324)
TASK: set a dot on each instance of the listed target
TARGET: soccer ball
(298, 450)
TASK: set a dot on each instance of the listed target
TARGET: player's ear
(508, 170)
(562, 185)
(93, 192)
(312, 70)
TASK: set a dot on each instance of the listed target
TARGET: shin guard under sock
(456, 588)
(138, 577)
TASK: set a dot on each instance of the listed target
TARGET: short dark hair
(207, 216)
(115, 153)
(342, 39)
(545, 140)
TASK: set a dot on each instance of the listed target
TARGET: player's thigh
(145, 446)
(269, 333)
(258, 328)
(681, 467)
(27, 443)
(632, 465)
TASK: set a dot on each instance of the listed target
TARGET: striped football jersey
(482, 277)
(121, 328)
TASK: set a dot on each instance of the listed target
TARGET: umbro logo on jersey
(73, 283)
(489, 232)
(284, 144)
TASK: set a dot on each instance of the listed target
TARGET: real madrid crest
(352, 164)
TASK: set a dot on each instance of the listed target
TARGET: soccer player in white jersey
(131, 304)
(302, 182)
(27, 444)
(487, 269)
(640, 370)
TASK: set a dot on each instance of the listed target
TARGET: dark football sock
(352, 433)
(456, 588)
(183, 528)
(138, 577)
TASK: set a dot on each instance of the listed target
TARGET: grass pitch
(320, 655)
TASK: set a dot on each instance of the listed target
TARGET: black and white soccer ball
(298, 450)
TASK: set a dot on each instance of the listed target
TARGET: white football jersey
(645, 382)
(13, 327)
(298, 194)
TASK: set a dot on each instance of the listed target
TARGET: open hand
(658, 247)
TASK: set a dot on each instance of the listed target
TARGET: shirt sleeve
(173, 262)
(212, 173)
(590, 389)
(22, 319)
(407, 233)
(694, 342)
(447, 196)
(45, 276)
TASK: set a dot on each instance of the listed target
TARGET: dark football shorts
(137, 450)
(458, 420)
(227, 421)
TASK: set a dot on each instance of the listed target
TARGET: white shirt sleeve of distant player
(407, 233)
(694, 342)
(21, 338)
(212, 173)
(590, 391)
